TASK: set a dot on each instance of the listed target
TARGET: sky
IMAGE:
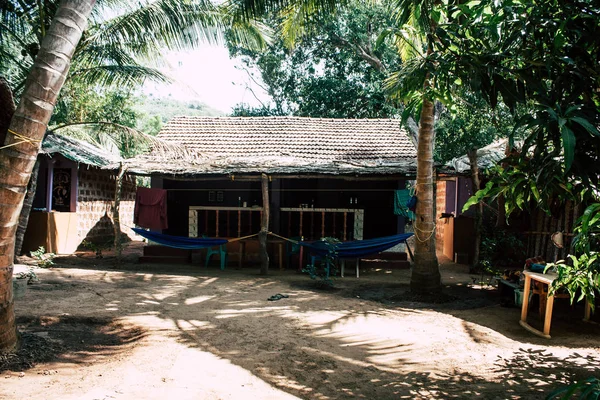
(208, 75)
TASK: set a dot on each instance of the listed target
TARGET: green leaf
(568, 139)
(587, 125)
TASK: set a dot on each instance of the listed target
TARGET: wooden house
(326, 177)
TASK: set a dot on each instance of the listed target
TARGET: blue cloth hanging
(356, 248)
(180, 242)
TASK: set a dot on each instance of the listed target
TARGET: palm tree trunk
(425, 277)
(7, 107)
(472, 154)
(26, 210)
(116, 214)
(22, 143)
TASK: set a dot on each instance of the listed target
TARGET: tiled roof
(285, 145)
(298, 137)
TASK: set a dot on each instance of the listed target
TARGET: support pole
(116, 218)
(264, 226)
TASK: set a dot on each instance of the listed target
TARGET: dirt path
(210, 334)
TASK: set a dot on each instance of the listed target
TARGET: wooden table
(546, 279)
(542, 278)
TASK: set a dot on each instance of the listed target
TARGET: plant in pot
(21, 280)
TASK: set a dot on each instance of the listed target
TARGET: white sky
(208, 75)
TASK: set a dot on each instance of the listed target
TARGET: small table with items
(544, 279)
(546, 301)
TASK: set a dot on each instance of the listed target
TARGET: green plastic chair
(221, 251)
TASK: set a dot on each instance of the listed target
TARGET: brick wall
(95, 198)
(440, 203)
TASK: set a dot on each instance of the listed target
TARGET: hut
(75, 195)
(324, 177)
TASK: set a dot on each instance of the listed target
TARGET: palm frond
(160, 24)
(297, 19)
(247, 33)
(119, 75)
(122, 140)
(416, 13)
(260, 8)
(409, 43)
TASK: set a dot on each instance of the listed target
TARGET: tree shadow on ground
(327, 340)
(372, 349)
(67, 339)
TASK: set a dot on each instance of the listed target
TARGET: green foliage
(548, 61)
(588, 389)
(154, 111)
(30, 275)
(524, 187)
(80, 103)
(333, 73)
(500, 249)
(44, 260)
(581, 276)
(470, 123)
(328, 267)
(123, 44)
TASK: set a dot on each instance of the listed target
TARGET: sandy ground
(173, 332)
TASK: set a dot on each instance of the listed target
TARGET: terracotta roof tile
(231, 145)
(310, 138)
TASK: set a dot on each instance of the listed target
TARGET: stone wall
(95, 198)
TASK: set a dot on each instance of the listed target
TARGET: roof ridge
(278, 117)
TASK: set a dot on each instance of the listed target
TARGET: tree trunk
(425, 277)
(472, 154)
(501, 219)
(264, 226)
(116, 215)
(26, 210)
(22, 144)
(7, 107)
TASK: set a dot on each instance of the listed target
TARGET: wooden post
(217, 223)
(116, 218)
(264, 226)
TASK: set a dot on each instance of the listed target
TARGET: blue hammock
(353, 249)
(179, 242)
(356, 248)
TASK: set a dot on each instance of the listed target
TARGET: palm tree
(108, 54)
(22, 143)
(415, 84)
(121, 48)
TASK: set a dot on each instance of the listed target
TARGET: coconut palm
(125, 41)
(415, 84)
(122, 47)
(26, 130)
(41, 43)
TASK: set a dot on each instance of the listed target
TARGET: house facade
(326, 177)
(75, 197)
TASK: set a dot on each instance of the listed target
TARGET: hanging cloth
(150, 208)
(401, 198)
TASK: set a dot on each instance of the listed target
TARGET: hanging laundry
(401, 199)
(150, 208)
